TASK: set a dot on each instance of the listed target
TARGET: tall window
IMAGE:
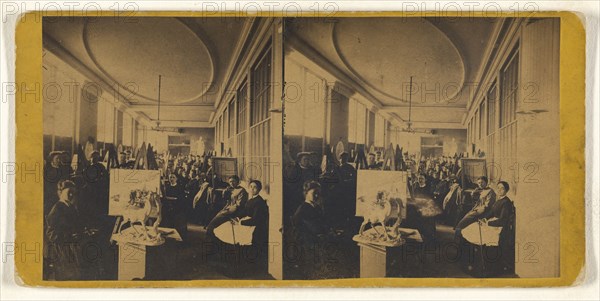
(507, 139)
(101, 122)
(305, 105)
(314, 105)
(379, 131)
(352, 121)
(476, 126)
(357, 122)
(491, 106)
(127, 130)
(242, 125)
(219, 136)
(482, 119)
(232, 119)
(260, 129)
(141, 134)
(106, 122)
(509, 77)
(58, 111)
(261, 84)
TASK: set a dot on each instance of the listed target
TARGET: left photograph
(162, 148)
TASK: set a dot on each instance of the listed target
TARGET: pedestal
(132, 261)
(373, 261)
(132, 255)
(380, 260)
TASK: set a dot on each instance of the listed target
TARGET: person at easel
(236, 197)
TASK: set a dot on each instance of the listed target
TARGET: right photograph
(421, 148)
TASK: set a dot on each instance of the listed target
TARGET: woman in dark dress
(256, 213)
(502, 214)
(313, 236)
(173, 210)
(67, 236)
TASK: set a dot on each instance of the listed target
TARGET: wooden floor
(199, 259)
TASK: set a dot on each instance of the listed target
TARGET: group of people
(76, 222)
(194, 193)
(76, 208)
(320, 202)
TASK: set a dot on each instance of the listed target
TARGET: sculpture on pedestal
(135, 196)
(138, 211)
(381, 200)
(383, 208)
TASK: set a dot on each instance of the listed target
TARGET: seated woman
(256, 213)
(67, 235)
(318, 244)
(496, 230)
(309, 221)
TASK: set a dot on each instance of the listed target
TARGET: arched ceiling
(385, 61)
(375, 58)
(134, 54)
(192, 55)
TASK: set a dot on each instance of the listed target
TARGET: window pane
(361, 123)
(491, 98)
(379, 131)
(260, 130)
(241, 113)
(508, 91)
(482, 121)
(100, 130)
(127, 130)
(294, 99)
(314, 110)
(109, 126)
(352, 121)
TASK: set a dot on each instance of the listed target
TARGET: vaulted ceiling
(376, 57)
(126, 56)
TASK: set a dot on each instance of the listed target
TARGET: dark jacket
(309, 223)
(256, 208)
(502, 209)
(64, 224)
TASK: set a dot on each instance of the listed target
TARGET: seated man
(486, 197)
(236, 198)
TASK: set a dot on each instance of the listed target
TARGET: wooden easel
(361, 159)
(389, 158)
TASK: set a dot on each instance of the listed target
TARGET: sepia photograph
(161, 138)
(271, 148)
(299, 150)
(421, 147)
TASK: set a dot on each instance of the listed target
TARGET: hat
(54, 154)
(302, 154)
